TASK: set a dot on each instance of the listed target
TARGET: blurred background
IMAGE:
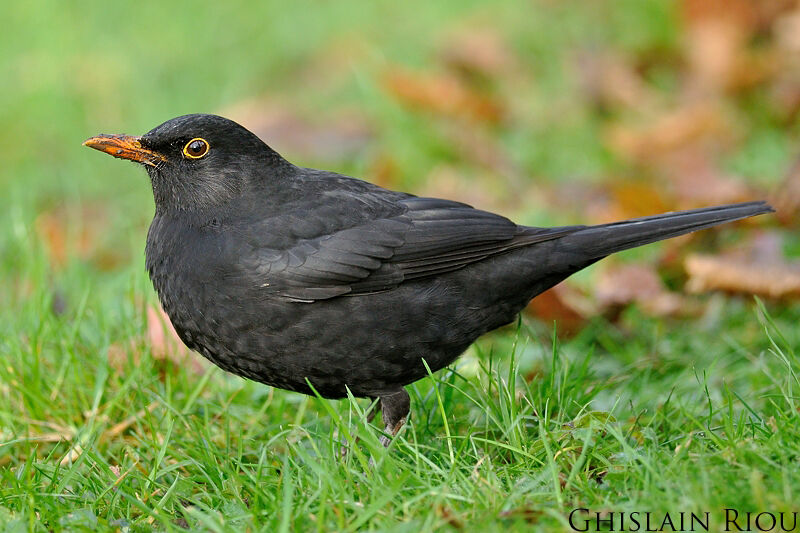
(547, 111)
(550, 112)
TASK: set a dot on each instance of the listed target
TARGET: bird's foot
(393, 431)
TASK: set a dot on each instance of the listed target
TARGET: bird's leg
(395, 408)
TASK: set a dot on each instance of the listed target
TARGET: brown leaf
(587, 203)
(117, 355)
(384, 170)
(712, 273)
(673, 130)
(478, 52)
(786, 199)
(449, 517)
(442, 94)
(787, 31)
(717, 33)
(446, 181)
(638, 198)
(758, 269)
(563, 305)
(620, 285)
(610, 81)
(698, 182)
(164, 344)
(483, 149)
(529, 515)
(337, 137)
(77, 231)
(162, 337)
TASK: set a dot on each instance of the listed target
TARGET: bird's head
(195, 161)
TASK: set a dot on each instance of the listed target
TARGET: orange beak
(125, 147)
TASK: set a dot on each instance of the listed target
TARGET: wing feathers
(432, 236)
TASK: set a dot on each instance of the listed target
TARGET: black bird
(289, 275)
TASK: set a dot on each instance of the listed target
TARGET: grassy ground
(646, 414)
(669, 418)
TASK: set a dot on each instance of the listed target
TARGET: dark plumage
(289, 275)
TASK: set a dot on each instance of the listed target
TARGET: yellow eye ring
(196, 148)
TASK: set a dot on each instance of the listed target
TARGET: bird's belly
(366, 343)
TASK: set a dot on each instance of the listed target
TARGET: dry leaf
(717, 33)
(698, 182)
(609, 81)
(76, 231)
(673, 130)
(449, 517)
(342, 136)
(715, 273)
(758, 269)
(621, 285)
(384, 170)
(478, 52)
(164, 343)
(638, 198)
(442, 94)
(529, 515)
(786, 199)
(480, 148)
(446, 181)
(787, 31)
(563, 305)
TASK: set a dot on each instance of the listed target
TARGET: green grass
(642, 415)
(671, 417)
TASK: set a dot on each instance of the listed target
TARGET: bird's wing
(429, 236)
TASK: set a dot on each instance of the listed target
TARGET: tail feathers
(600, 241)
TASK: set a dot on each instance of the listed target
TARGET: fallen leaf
(384, 171)
(529, 515)
(713, 273)
(716, 35)
(638, 198)
(479, 52)
(164, 344)
(478, 147)
(698, 182)
(757, 269)
(69, 231)
(563, 305)
(668, 132)
(449, 517)
(442, 94)
(786, 198)
(446, 181)
(330, 138)
(785, 91)
(787, 31)
(620, 285)
(610, 82)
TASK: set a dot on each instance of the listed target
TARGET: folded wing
(429, 237)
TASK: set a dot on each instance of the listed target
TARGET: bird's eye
(196, 148)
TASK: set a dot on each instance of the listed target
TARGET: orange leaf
(442, 94)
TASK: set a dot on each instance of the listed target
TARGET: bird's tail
(605, 239)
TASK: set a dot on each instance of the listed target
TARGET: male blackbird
(289, 275)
